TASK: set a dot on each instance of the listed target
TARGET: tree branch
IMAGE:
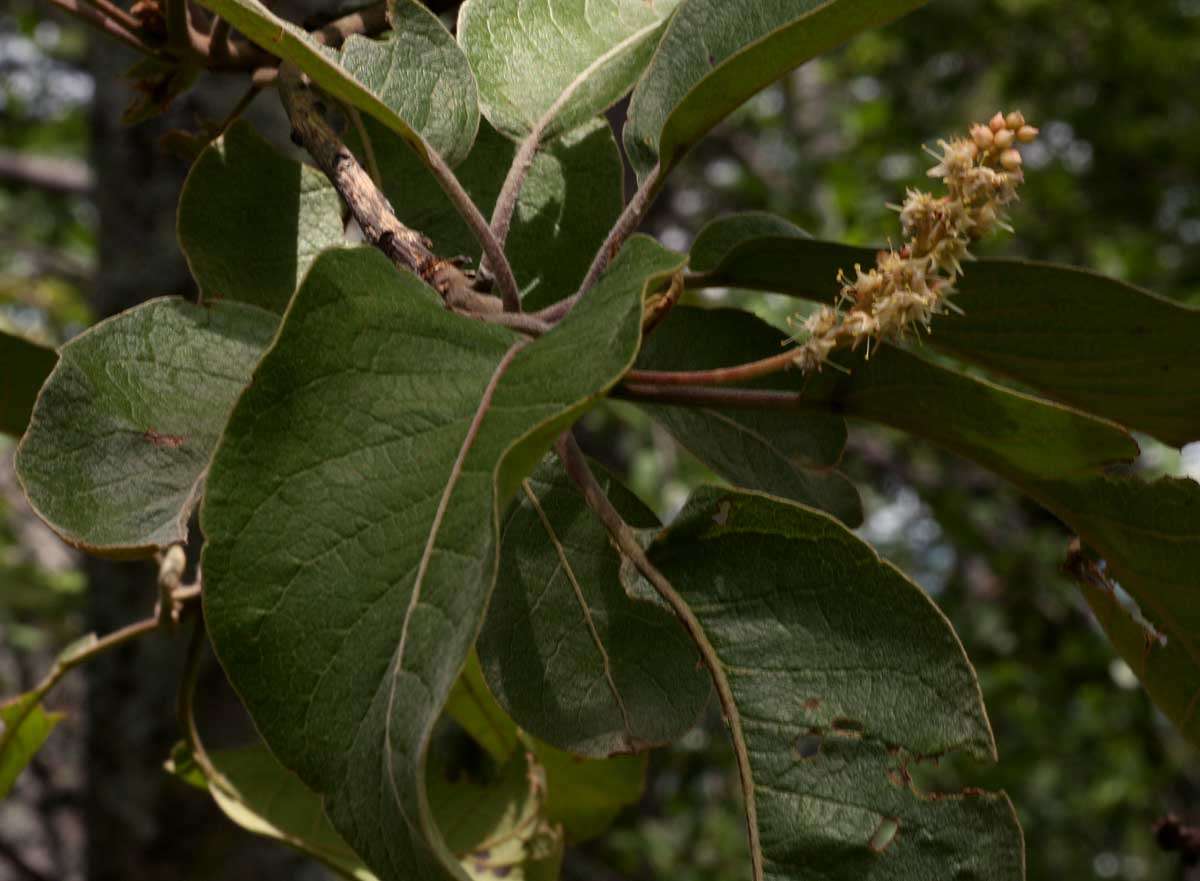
(121, 16)
(631, 218)
(622, 536)
(405, 247)
(716, 376)
(57, 174)
(705, 396)
(103, 23)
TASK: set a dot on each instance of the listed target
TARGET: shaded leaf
(251, 221)
(265, 798)
(716, 54)
(26, 366)
(24, 727)
(416, 81)
(843, 675)
(119, 443)
(1147, 533)
(584, 795)
(498, 828)
(1083, 339)
(473, 706)
(357, 545)
(571, 198)
(793, 455)
(1149, 537)
(549, 66)
(572, 658)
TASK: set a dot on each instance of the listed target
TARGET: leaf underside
(120, 439)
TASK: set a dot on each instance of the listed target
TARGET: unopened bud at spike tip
(1011, 159)
(1005, 138)
(1026, 134)
(1014, 120)
(997, 122)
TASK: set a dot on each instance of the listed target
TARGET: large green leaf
(547, 66)
(716, 54)
(842, 675)
(415, 80)
(571, 198)
(26, 366)
(1148, 535)
(251, 220)
(24, 727)
(257, 793)
(1090, 341)
(569, 655)
(120, 440)
(793, 455)
(356, 545)
(584, 795)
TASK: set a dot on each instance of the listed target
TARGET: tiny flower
(982, 135)
(910, 284)
(1011, 159)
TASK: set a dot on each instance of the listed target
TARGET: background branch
(54, 173)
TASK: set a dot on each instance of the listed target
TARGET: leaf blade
(251, 221)
(1071, 334)
(759, 575)
(594, 56)
(137, 402)
(362, 495)
(715, 54)
(577, 672)
(26, 367)
(440, 113)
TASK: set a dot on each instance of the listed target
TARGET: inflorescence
(907, 287)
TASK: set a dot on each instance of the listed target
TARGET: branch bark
(405, 247)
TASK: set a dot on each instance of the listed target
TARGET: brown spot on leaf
(170, 441)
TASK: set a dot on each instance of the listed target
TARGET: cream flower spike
(907, 287)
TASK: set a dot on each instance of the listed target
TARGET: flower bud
(1004, 138)
(1026, 134)
(997, 122)
(982, 136)
(1014, 120)
(1011, 159)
